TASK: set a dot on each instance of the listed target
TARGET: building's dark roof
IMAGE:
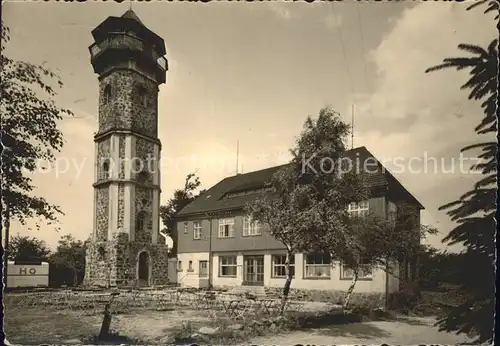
(132, 15)
(212, 200)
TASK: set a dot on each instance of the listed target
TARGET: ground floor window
(278, 266)
(317, 266)
(365, 271)
(227, 266)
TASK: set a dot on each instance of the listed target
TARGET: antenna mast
(237, 154)
(352, 127)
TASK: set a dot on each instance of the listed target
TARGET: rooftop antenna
(352, 127)
(237, 154)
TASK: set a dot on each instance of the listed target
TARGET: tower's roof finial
(131, 15)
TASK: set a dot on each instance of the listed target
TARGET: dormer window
(107, 93)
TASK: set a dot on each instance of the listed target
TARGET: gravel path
(412, 332)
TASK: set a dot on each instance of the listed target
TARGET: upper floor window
(250, 227)
(226, 228)
(317, 266)
(142, 94)
(364, 272)
(197, 230)
(107, 93)
(185, 227)
(105, 170)
(359, 209)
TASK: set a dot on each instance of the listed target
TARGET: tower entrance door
(143, 269)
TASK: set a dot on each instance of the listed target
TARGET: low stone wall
(370, 300)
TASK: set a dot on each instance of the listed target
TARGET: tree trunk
(5, 249)
(106, 321)
(75, 277)
(288, 282)
(348, 294)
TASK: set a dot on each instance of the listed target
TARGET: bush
(404, 300)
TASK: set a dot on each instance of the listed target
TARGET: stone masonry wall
(102, 214)
(132, 104)
(121, 154)
(144, 203)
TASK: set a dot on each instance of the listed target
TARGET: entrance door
(143, 270)
(253, 269)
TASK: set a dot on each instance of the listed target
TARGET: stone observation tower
(126, 247)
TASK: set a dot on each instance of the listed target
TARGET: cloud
(411, 114)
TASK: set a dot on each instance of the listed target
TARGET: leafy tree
(70, 258)
(282, 212)
(474, 211)
(309, 209)
(29, 134)
(182, 197)
(24, 247)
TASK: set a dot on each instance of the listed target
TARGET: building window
(226, 228)
(143, 95)
(365, 271)
(107, 93)
(179, 266)
(317, 266)
(278, 262)
(197, 230)
(143, 221)
(190, 266)
(105, 170)
(359, 209)
(227, 266)
(185, 228)
(250, 227)
(203, 273)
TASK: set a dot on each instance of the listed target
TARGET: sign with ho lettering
(28, 275)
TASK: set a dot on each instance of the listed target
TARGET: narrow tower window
(140, 220)
(143, 95)
(105, 171)
(107, 93)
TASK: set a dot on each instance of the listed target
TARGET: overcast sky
(253, 72)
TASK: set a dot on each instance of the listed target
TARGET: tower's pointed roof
(131, 15)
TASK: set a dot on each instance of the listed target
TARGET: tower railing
(126, 42)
